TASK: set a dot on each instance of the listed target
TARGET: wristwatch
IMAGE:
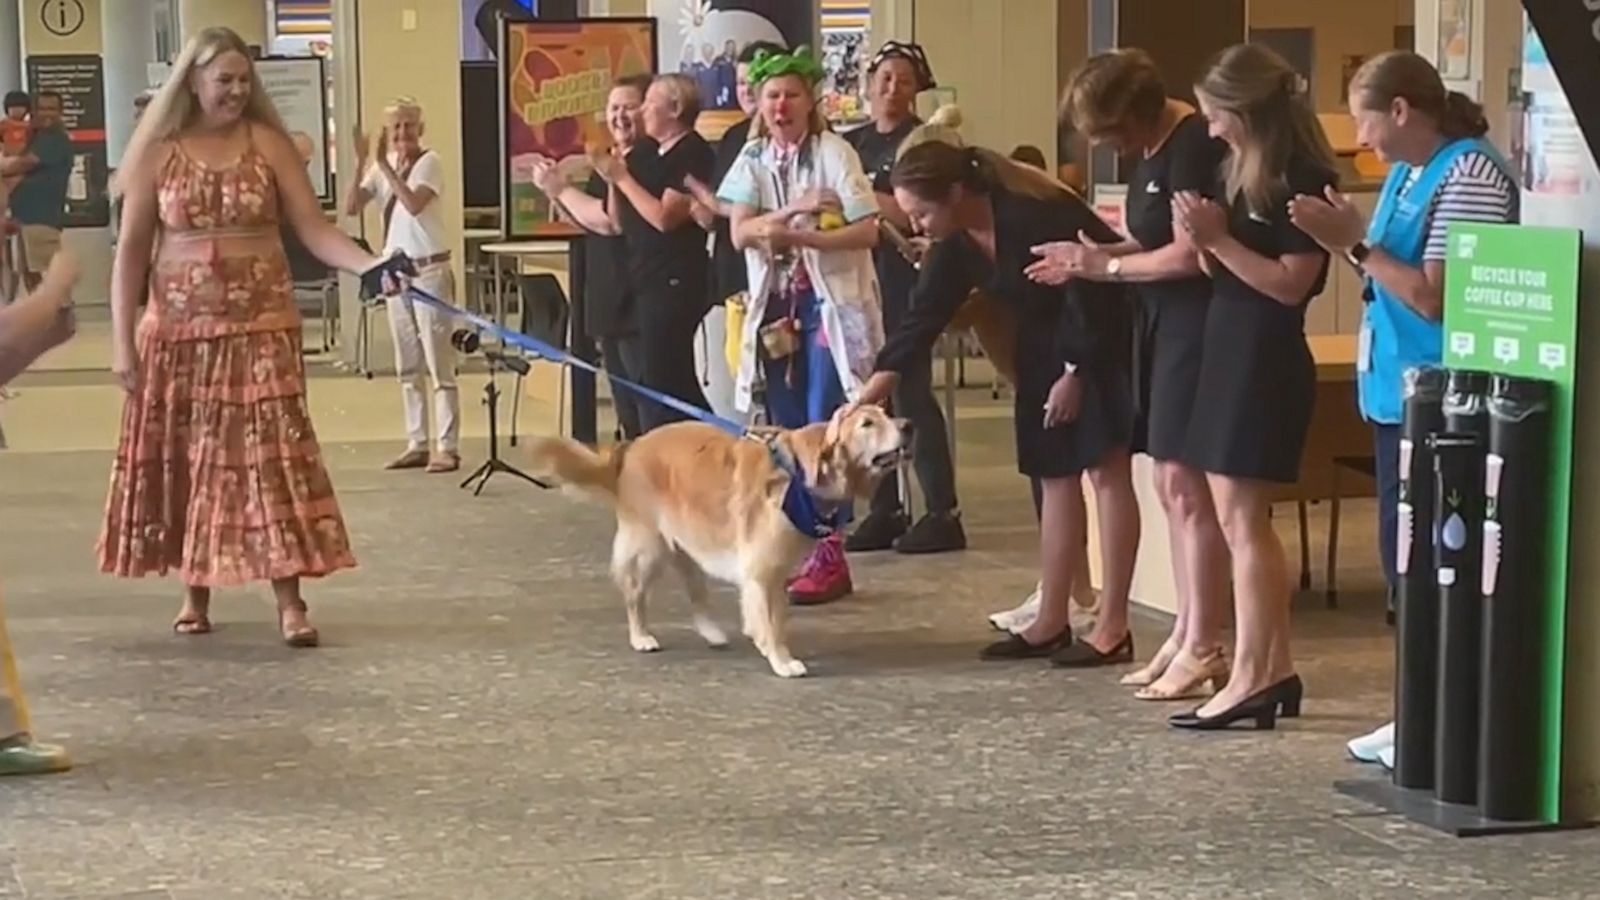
(1358, 254)
(1114, 268)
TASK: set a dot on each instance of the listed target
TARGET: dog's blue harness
(801, 507)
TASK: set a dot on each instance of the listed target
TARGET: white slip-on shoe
(1017, 618)
(1386, 757)
(1369, 747)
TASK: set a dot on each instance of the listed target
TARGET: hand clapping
(1331, 220)
(1203, 220)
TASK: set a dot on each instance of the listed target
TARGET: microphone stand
(468, 342)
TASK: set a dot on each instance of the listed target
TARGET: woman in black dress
(1074, 403)
(1257, 381)
(1118, 98)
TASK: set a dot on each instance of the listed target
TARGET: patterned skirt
(219, 476)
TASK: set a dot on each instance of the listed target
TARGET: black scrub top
(607, 299)
(727, 261)
(657, 258)
(1083, 323)
(896, 276)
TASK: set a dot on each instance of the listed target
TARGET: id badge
(1364, 349)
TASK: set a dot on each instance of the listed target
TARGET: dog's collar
(810, 515)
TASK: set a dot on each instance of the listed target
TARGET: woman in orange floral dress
(219, 475)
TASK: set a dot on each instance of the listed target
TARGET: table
(518, 251)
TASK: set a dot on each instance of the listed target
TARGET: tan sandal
(1146, 675)
(444, 462)
(302, 637)
(411, 459)
(192, 624)
(1188, 677)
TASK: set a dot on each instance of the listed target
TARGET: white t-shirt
(420, 235)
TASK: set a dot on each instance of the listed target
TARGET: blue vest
(1397, 337)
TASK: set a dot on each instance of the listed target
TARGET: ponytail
(930, 170)
(1401, 74)
(1463, 117)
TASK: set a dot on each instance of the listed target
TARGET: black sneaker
(933, 533)
(878, 531)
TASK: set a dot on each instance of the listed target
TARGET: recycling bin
(1511, 734)
(1458, 522)
(1416, 591)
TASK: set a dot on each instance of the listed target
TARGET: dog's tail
(575, 465)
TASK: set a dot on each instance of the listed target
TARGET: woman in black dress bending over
(1074, 403)
(1257, 381)
(1118, 98)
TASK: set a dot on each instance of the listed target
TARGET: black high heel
(1262, 707)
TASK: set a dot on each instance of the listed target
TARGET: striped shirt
(1475, 190)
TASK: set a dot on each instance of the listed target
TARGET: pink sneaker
(824, 578)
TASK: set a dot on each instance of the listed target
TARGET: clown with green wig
(805, 216)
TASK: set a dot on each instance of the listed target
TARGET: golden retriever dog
(698, 500)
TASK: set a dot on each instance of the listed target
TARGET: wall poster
(554, 80)
(298, 88)
(80, 80)
(703, 39)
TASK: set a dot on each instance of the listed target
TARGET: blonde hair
(815, 123)
(685, 94)
(1266, 94)
(175, 108)
(404, 106)
(943, 126)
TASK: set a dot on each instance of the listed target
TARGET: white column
(10, 48)
(129, 46)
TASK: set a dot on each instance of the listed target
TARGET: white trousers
(711, 365)
(422, 347)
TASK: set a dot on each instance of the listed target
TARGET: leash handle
(562, 358)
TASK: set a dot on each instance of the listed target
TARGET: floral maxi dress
(219, 475)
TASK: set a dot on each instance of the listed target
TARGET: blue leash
(799, 506)
(561, 357)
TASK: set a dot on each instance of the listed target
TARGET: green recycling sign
(1511, 308)
(1511, 300)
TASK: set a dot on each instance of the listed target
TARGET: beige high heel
(1189, 677)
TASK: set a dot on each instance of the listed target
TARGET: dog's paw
(645, 643)
(789, 668)
(711, 631)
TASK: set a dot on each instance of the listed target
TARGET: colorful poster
(846, 28)
(703, 39)
(557, 76)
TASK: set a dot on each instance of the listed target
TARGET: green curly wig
(800, 63)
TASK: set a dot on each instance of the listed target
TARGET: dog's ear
(835, 430)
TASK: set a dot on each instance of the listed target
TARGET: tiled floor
(476, 726)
